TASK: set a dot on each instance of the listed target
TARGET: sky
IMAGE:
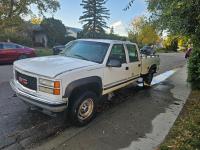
(70, 11)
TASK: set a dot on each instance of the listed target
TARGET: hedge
(194, 68)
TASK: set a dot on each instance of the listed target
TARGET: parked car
(76, 80)
(58, 49)
(147, 50)
(9, 52)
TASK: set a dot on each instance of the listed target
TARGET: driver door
(115, 76)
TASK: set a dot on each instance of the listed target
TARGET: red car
(9, 52)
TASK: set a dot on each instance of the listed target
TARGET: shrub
(19, 39)
(44, 52)
(194, 68)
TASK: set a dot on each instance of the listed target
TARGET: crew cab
(76, 79)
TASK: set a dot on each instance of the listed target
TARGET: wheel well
(154, 68)
(94, 87)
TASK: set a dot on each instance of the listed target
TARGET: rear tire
(147, 79)
(82, 109)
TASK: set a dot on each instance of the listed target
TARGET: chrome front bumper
(37, 101)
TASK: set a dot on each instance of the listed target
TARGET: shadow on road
(125, 119)
(128, 116)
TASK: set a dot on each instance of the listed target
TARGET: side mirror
(114, 63)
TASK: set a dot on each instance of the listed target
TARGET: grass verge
(43, 52)
(185, 134)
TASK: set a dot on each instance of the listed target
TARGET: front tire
(82, 109)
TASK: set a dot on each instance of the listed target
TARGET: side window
(1, 46)
(118, 52)
(9, 46)
(132, 52)
(18, 46)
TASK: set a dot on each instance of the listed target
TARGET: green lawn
(44, 51)
(185, 134)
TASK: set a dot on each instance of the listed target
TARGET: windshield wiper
(81, 57)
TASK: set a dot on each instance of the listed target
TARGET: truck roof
(106, 41)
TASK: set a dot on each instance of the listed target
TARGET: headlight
(46, 89)
(48, 86)
(46, 82)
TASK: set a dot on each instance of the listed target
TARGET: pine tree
(94, 18)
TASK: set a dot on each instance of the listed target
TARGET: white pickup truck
(76, 79)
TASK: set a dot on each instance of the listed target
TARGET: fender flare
(83, 82)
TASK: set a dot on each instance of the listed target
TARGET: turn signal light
(56, 84)
(56, 91)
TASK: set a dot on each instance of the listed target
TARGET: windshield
(86, 50)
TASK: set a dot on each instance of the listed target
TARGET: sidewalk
(185, 133)
(141, 122)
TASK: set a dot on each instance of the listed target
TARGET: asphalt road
(23, 128)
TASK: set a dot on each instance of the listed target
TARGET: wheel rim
(86, 109)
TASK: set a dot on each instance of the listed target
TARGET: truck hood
(51, 66)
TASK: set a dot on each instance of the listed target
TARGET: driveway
(121, 121)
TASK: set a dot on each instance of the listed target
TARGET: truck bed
(148, 61)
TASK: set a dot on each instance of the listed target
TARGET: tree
(180, 18)
(55, 31)
(171, 43)
(12, 12)
(143, 32)
(148, 35)
(129, 5)
(183, 43)
(36, 21)
(21, 34)
(112, 30)
(94, 18)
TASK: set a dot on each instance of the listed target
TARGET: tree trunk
(11, 9)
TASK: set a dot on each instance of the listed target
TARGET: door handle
(127, 68)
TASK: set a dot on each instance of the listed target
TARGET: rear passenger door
(134, 61)
(114, 76)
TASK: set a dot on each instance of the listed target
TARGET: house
(39, 37)
(73, 32)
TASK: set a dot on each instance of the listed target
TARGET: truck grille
(26, 81)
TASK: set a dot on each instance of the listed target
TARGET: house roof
(76, 30)
(37, 28)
